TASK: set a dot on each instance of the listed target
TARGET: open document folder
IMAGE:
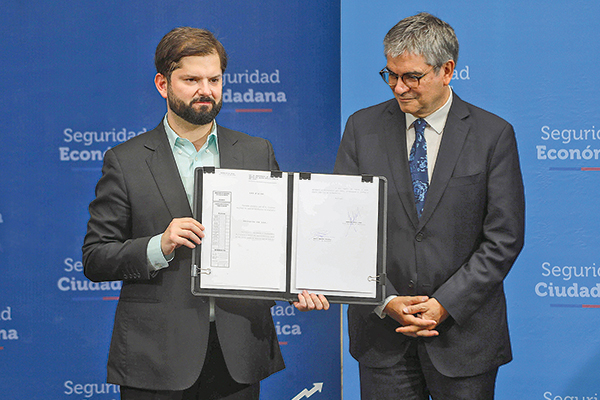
(271, 235)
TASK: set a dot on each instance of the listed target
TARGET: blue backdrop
(79, 80)
(534, 64)
(74, 67)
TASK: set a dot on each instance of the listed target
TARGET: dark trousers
(415, 378)
(214, 382)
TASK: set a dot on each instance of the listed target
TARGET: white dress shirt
(433, 136)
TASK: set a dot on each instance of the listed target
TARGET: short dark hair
(183, 42)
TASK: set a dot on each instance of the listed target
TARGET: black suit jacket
(161, 330)
(461, 248)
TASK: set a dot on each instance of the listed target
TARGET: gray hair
(423, 34)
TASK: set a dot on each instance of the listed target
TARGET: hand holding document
(282, 235)
(311, 301)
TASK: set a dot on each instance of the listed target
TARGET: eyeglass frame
(411, 75)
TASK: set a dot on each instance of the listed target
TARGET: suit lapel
(228, 156)
(164, 170)
(397, 157)
(455, 133)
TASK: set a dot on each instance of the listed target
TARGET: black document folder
(273, 234)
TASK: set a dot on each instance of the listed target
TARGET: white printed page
(245, 218)
(335, 235)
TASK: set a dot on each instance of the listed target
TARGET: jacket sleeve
(109, 252)
(502, 237)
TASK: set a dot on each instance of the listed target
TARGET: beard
(188, 113)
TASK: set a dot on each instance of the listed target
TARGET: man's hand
(412, 322)
(430, 313)
(310, 301)
(181, 232)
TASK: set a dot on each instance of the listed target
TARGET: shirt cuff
(379, 309)
(156, 259)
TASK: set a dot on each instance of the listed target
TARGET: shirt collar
(437, 120)
(174, 138)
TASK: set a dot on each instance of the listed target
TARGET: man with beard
(167, 343)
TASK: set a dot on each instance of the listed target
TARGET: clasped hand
(418, 315)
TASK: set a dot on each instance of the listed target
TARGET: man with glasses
(455, 226)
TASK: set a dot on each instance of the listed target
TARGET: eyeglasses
(410, 79)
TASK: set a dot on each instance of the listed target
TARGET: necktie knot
(420, 125)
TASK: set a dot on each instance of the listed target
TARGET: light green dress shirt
(187, 160)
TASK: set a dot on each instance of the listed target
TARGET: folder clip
(209, 170)
(304, 176)
(196, 270)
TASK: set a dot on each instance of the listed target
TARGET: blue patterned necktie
(418, 165)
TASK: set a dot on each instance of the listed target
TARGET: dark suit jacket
(461, 248)
(161, 330)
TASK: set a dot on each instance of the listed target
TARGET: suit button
(411, 284)
(420, 236)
